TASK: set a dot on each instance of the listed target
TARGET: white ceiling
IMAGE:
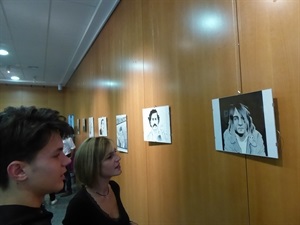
(47, 39)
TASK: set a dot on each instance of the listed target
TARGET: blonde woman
(98, 201)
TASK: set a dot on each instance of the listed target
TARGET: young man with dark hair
(32, 163)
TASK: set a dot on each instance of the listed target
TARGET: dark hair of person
(244, 112)
(150, 115)
(24, 131)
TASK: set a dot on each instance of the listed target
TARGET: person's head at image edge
(32, 163)
(96, 160)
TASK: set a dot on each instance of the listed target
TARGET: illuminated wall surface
(184, 54)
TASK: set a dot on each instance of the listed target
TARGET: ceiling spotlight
(15, 78)
(8, 69)
(3, 52)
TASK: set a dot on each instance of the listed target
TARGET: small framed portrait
(102, 126)
(156, 124)
(245, 124)
(84, 124)
(122, 138)
(77, 127)
(91, 126)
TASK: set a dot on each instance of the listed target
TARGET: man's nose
(240, 121)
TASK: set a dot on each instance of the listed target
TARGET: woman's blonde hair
(88, 159)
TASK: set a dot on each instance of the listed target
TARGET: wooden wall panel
(15, 95)
(179, 69)
(180, 180)
(270, 38)
(109, 83)
(189, 63)
(10, 96)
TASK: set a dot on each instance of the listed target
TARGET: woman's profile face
(111, 163)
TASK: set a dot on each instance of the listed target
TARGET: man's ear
(16, 170)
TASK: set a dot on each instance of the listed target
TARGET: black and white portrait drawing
(245, 124)
(121, 126)
(91, 127)
(156, 123)
(84, 124)
(102, 126)
(77, 130)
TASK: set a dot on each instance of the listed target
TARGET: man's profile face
(154, 121)
(240, 125)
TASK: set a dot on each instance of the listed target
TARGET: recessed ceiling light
(15, 78)
(3, 52)
(8, 69)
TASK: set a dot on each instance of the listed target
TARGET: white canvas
(121, 128)
(91, 127)
(102, 126)
(156, 124)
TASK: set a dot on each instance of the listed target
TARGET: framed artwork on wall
(91, 127)
(77, 127)
(84, 124)
(122, 138)
(102, 126)
(156, 124)
(245, 124)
